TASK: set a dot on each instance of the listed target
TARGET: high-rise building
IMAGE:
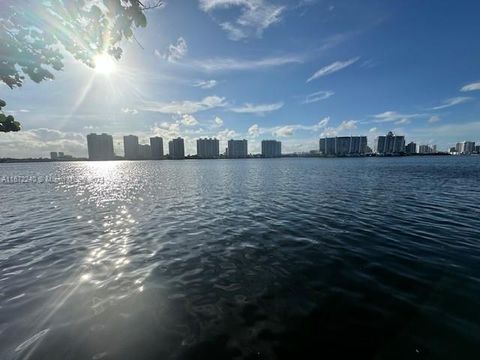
(130, 147)
(390, 144)
(343, 146)
(465, 147)
(144, 152)
(425, 149)
(100, 147)
(208, 148)
(411, 148)
(237, 149)
(469, 147)
(271, 148)
(156, 147)
(53, 155)
(477, 149)
(176, 149)
(322, 146)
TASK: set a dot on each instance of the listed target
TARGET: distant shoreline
(45, 160)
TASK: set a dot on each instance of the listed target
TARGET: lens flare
(104, 64)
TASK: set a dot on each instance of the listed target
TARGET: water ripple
(243, 259)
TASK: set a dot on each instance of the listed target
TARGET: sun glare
(104, 64)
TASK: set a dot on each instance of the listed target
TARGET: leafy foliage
(7, 123)
(34, 34)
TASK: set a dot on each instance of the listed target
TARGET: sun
(104, 64)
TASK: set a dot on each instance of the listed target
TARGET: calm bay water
(246, 259)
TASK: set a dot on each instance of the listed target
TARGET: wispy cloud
(185, 107)
(259, 109)
(433, 119)
(206, 84)
(393, 116)
(254, 130)
(217, 122)
(189, 120)
(288, 129)
(284, 131)
(452, 102)
(175, 52)
(318, 96)
(253, 18)
(403, 121)
(332, 68)
(471, 87)
(130, 111)
(344, 126)
(228, 64)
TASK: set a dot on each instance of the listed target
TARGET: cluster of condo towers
(100, 147)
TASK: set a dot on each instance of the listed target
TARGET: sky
(268, 69)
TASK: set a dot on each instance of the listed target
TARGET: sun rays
(104, 64)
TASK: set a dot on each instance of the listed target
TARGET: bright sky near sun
(262, 69)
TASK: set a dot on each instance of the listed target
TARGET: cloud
(260, 109)
(332, 68)
(40, 142)
(230, 64)
(185, 107)
(452, 102)
(206, 84)
(226, 134)
(471, 87)
(19, 111)
(252, 19)
(335, 131)
(175, 52)
(189, 120)
(434, 119)
(284, 131)
(166, 130)
(287, 130)
(347, 125)
(130, 111)
(393, 116)
(373, 129)
(234, 33)
(317, 96)
(403, 121)
(218, 121)
(254, 130)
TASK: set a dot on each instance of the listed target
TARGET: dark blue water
(247, 259)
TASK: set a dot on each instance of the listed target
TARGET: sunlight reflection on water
(167, 259)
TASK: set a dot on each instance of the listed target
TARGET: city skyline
(100, 147)
(347, 69)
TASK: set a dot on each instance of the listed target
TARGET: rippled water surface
(247, 259)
